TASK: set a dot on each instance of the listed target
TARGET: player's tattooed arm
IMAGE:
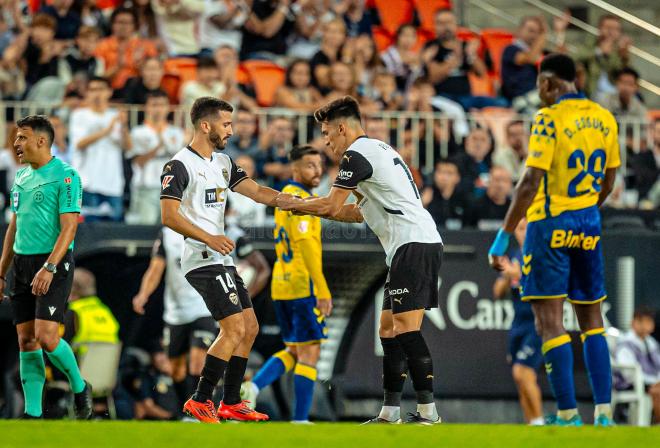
(326, 206)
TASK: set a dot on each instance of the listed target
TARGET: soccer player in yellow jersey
(570, 170)
(299, 290)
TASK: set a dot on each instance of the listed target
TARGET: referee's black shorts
(51, 306)
(412, 281)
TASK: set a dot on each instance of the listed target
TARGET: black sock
(183, 390)
(420, 364)
(233, 380)
(394, 371)
(212, 373)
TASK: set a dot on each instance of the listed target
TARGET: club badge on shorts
(234, 298)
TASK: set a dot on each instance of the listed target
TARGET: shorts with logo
(525, 345)
(562, 258)
(200, 333)
(412, 281)
(300, 321)
(222, 289)
(52, 305)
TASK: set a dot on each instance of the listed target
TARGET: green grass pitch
(56, 434)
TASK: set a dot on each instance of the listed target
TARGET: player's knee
(28, 343)
(520, 374)
(47, 338)
(235, 333)
(251, 330)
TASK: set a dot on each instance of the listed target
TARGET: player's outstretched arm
(170, 217)
(329, 206)
(256, 192)
(7, 253)
(349, 213)
(607, 185)
(523, 196)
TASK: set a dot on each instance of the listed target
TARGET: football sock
(394, 371)
(33, 376)
(390, 413)
(233, 379)
(183, 389)
(277, 365)
(64, 359)
(212, 373)
(597, 361)
(538, 421)
(558, 356)
(428, 411)
(304, 377)
(420, 364)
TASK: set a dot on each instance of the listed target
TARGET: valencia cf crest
(225, 174)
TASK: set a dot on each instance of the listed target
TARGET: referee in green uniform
(45, 201)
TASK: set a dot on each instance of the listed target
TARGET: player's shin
(233, 380)
(394, 377)
(558, 356)
(597, 360)
(420, 366)
(304, 377)
(276, 366)
(64, 359)
(33, 377)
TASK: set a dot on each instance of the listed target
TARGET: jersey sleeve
(613, 150)
(353, 169)
(237, 175)
(158, 249)
(70, 194)
(244, 247)
(174, 180)
(300, 227)
(542, 141)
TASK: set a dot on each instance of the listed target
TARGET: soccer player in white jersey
(390, 204)
(193, 199)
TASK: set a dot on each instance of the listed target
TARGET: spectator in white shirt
(247, 212)
(638, 347)
(154, 143)
(98, 137)
(207, 83)
(177, 22)
(221, 24)
(512, 155)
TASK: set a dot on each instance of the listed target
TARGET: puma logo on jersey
(52, 310)
(202, 175)
(167, 180)
(348, 158)
(399, 291)
(399, 301)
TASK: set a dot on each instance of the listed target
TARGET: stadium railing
(424, 135)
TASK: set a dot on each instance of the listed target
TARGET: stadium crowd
(92, 58)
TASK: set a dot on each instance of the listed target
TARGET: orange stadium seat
(481, 85)
(171, 84)
(393, 14)
(653, 115)
(382, 38)
(184, 68)
(426, 10)
(242, 75)
(496, 40)
(266, 77)
(466, 34)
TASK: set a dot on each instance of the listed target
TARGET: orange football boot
(241, 412)
(204, 412)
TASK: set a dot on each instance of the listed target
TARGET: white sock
(603, 409)
(255, 388)
(567, 414)
(390, 413)
(538, 421)
(428, 411)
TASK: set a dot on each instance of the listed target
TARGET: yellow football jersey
(574, 141)
(291, 278)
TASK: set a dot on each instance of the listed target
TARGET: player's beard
(218, 143)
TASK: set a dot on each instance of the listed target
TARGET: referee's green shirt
(38, 197)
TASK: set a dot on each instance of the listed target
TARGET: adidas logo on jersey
(399, 291)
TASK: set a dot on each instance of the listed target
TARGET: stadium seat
(653, 114)
(393, 14)
(466, 34)
(100, 366)
(481, 85)
(426, 10)
(184, 68)
(496, 40)
(266, 77)
(242, 75)
(382, 38)
(171, 84)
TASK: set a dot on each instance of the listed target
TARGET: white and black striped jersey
(201, 186)
(390, 203)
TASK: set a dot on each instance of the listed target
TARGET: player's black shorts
(412, 282)
(199, 333)
(51, 306)
(221, 288)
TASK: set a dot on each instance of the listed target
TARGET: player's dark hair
(123, 10)
(643, 312)
(158, 93)
(206, 106)
(300, 151)
(346, 107)
(560, 65)
(38, 123)
(105, 81)
(627, 71)
(206, 62)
